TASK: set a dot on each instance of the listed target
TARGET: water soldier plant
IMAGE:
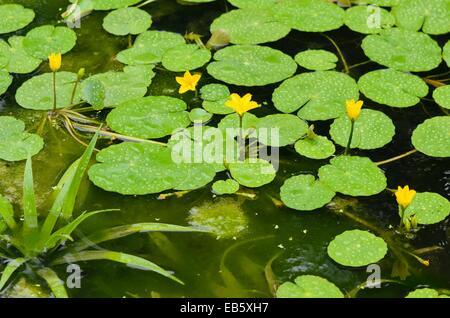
(312, 148)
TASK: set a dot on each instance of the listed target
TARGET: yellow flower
(54, 60)
(353, 109)
(188, 82)
(404, 196)
(241, 105)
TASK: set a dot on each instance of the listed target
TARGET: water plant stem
(350, 138)
(241, 143)
(379, 163)
(341, 55)
(72, 97)
(54, 92)
(359, 64)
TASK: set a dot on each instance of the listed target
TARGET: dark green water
(209, 266)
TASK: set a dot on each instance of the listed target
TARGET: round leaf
(280, 129)
(251, 65)
(225, 187)
(308, 286)
(318, 147)
(37, 92)
(441, 96)
(446, 53)
(126, 21)
(110, 4)
(373, 129)
(368, 19)
(316, 60)
(14, 17)
(5, 81)
(355, 176)
(252, 173)
(94, 93)
(199, 115)
(423, 293)
(403, 50)
(44, 40)
(432, 137)
(305, 193)
(429, 208)
(185, 57)
(393, 88)
(321, 95)
(17, 59)
(357, 248)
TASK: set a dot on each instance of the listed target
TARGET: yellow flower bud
(54, 61)
(353, 108)
(404, 196)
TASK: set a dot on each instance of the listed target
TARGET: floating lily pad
(225, 186)
(15, 143)
(123, 86)
(357, 248)
(432, 16)
(230, 124)
(381, 3)
(37, 92)
(373, 129)
(215, 96)
(393, 88)
(5, 81)
(251, 65)
(432, 137)
(250, 26)
(403, 50)
(109, 4)
(319, 147)
(253, 4)
(199, 115)
(368, 19)
(305, 193)
(94, 93)
(150, 47)
(321, 95)
(44, 40)
(185, 57)
(351, 175)
(149, 117)
(441, 96)
(309, 286)
(316, 60)
(446, 53)
(280, 129)
(425, 293)
(429, 208)
(310, 15)
(223, 217)
(252, 173)
(17, 60)
(126, 21)
(14, 17)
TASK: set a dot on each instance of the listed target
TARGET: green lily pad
(149, 117)
(351, 175)
(225, 187)
(109, 4)
(446, 53)
(319, 147)
(432, 137)
(94, 93)
(126, 21)
(280, 129)
(44, 40)
(252, 173)
(310, 15)
(230, 124)
(393, 88)
(214, 98)
(250, 26)
(425, 293)
(305, 193)
(14, 17)
(357, 248)
(199, 115)
(432, 16)
(150, 47)
(381, 3)
(309, 286)
(373, 129)
(441, 96)
(17, 59)
(251, 65)
(223, 217)
(185, 57)
(321, 95)
(429, 208)
(15, 143)
(123, 86)
(253, 4)
(5, 81)
(403, 50)
(37, 92)
(368, 19)
(316, 60)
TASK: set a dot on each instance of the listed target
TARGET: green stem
(402, 215)
(359, 64)
(350, 138)
(72, 97)
(379, 163)
(241, 140)
(54, 92)
(341, 55)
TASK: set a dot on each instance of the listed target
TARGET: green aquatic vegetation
(5, 81)
(289, 128)
(431, 137)
(228, 186)
(33, 240)
(368, 19)
(126, 21)
(315, 146)
(428, 208)
(185, 58)
(309, 286)
(252, 173)
(15, 58)
(214, 98)
(316, 60)
(442, 96)
(108, 4)
(427, 293)
(199, 116)
(446, 53)
(14, 17)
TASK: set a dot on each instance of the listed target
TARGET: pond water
(273, 244)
